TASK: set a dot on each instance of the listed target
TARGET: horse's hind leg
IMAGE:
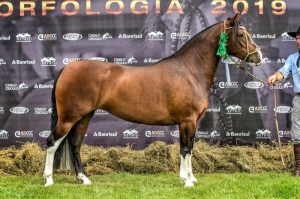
(57, 136)
(187, 131)
(78, 133)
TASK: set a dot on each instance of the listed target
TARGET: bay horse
(179, 86)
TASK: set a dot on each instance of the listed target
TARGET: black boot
(297, 159)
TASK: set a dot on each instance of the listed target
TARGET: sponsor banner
(202, 135)
(130, 60)
(155, 134)
(47, 37)
(43, 86)
(5, 38)
(180, 35)
(42, 111)
(125, 32)
(286, 37)
(263, 36)
(284, 109)
(23, 37)
(19, 110)
(98, 59)
(130, 36)
(48, 61)
(105, 134)
(254, 85)
(151, 60)
(228, 85)
(99, 37)
(214, 109)
(72, 36)
(130, 134)
(15, 87)
(239, 134)
(24, 134)
(156, 36)
(70, 60)
(22, 62)
(3, 134)
(233, 109)
(258, 109)
(44, 134)
(263, 134)
(207, 134)
(282, 85)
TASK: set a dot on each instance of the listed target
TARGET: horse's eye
(240, 35)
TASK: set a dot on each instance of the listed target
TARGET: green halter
(222, 51)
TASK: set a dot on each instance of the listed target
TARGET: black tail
(64, 157)
(53, 101)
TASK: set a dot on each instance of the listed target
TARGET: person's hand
(272, 79)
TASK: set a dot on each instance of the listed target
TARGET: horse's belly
(140, 113)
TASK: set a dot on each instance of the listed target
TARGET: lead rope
(277, 127)
(275, 104)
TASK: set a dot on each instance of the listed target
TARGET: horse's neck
(200, 58)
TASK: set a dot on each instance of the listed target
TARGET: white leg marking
(48, 172)
(184, 172)
(190, 169)
(83, 177)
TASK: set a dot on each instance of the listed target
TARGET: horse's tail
(63, 158)
(54, 116)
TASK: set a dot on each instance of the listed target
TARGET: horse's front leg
(187, 131)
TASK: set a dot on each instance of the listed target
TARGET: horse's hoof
(188, 183)
(193, 179)
(87, 182)
(48, 184)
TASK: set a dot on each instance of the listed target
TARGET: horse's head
(240, 43)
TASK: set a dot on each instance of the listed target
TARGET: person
(291, 66)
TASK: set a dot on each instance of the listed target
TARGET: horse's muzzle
(255, 59)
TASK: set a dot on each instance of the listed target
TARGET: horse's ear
(235, 19)
(234, 23)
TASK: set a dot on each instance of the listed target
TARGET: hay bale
(30, 159)
(156, 158)
(7, 166)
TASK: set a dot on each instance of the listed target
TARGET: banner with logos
(37, 38)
